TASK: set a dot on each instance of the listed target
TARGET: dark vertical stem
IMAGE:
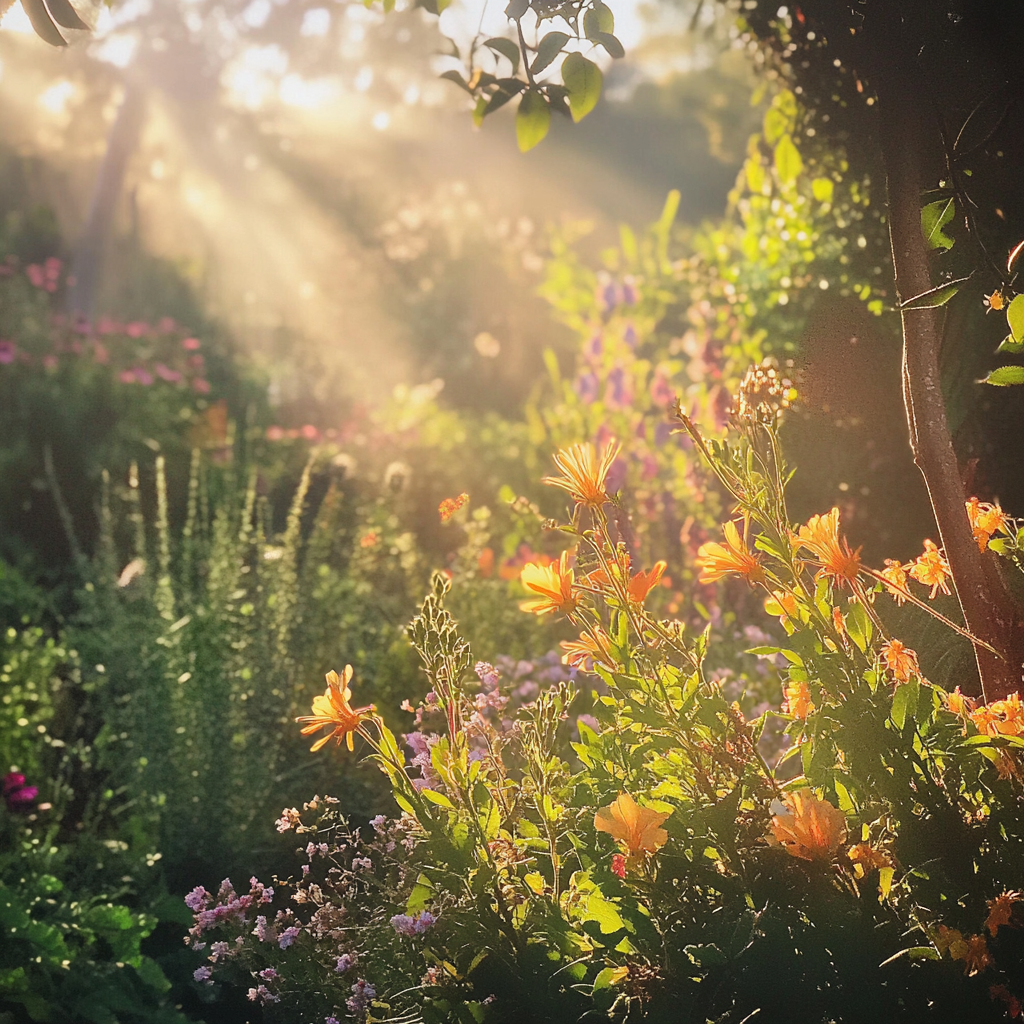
(989, 611)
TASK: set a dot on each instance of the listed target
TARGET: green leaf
(437, 798)
(858, 625)
(1015, 318)
(898, 714)
(937, 296)
(516, 9)
(822, 189)
(1010, 347)
(422, 893)
(454, 76)
(597, 20)
(533, 119)
(508, 88)
(508, 49)
(934, 217)
(547, 50)
(787, 160)
(603, 912)
(1005, 376)
(914, 953)
(611, 44)
(583, 79)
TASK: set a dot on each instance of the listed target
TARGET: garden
(511, 515)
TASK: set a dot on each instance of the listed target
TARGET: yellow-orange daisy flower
(810, 829)
(642, 583)
(931, 569)
(798, 701)
(332, 708)
(734, 558)
(1000, 910)
(592, 646)
(552, 583)
(821, 537)
(584, 472)
(895, 576)
(900, 660)
(986, 519)
(637, 828)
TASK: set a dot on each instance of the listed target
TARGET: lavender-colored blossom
(362, 995)
(379, 822)
(269, 974)
(416, 925)
(261, 931)
(202, 973)
(362, 862)
(616, 475)
(587, 386)
(487, 674)
(8, 352)
(219, 950)
(287, 937)
(345, 963)
(263, 995)
(330, 1020)
(619, 389)
(198, 899)
(630, 292)
(629, 336)
(594, 348)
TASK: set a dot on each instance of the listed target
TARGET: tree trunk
(989, 611)
(87, 260)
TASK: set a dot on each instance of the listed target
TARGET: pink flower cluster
(229, 907)
(45, 275)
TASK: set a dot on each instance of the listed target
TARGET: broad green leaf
(610, 976)
(547, 50)
(937, 296)
(1015, 318)
(858, 625)
(776, 124)
(934, 217)
(516, 9)
(437, 798)
(884, 883)
(611, 44)
(535, 881)
(787, 160)
(583, 79)
(1005, 376)
(508, 49)
(603, 911)
(507, 89)
(598, 19)
(422, 893)
(533, 119)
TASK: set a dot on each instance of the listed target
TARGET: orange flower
(811, 829)
(584, 473)
(798, 701)
(900, 660)
(958, 703)
(733, 558)
(838, 623)
(986, 519)
(554, 585)
(369, 539)
(1000, 910)
(931, 569)
(332, 708)
(450, 506)
(867, 859)
(821, 537)
(895, 576)
(1001, 717)
(643, 583)
(637, 828)
(593, 646)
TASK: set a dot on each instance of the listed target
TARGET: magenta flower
(8, 352)
(17, 795)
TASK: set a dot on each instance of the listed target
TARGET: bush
(654, 864)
